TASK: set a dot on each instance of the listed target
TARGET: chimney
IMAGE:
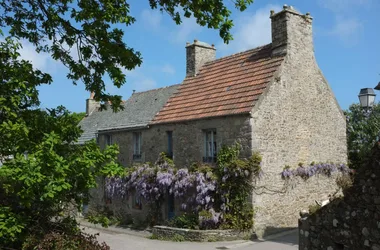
(91, 104)
(197, 54)
(291, 32)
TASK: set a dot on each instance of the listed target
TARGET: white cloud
(251, 30)
(138, 80)
(346, 28)
(41, 61)
(187, 28)
(151, 18)
(339, 6)
(168, 69)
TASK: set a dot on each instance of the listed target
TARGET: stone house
(272, 99)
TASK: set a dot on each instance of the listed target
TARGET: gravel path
(121, 241)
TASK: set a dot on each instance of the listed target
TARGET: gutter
(102, 131)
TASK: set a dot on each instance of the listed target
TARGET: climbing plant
(218, 195)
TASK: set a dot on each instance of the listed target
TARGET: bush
(63, 241)
(186, 220)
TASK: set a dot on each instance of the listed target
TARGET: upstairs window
(169, 152)
(108, 139)
(210, 145)
(137, 146)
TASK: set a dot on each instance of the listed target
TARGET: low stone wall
(349, 222)
(171, 233)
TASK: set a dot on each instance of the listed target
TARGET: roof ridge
(238, 53)
(139, 92)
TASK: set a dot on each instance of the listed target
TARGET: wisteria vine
(206, 191)
(306, 172)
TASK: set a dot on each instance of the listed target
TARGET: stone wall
(351, 222)
(170, 233)
(188, 147)
(297, 120)
(188, 139)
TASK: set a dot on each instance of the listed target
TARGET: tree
(88, 27)
(42, 167)
(363, 130)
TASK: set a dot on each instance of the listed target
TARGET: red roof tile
(226, 86)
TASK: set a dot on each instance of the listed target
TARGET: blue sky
(346, 40)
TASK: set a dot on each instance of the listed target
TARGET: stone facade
(188, 145)
(197, 54)
(188, 139)
(296, 121)
(351, 222)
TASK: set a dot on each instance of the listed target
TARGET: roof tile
(226, 86)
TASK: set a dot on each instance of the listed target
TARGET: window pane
(170, 144)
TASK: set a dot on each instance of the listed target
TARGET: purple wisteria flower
(314, 169)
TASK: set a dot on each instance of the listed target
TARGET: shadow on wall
(284, 235)
(349, 222)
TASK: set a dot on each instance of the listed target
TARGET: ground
(122, 241)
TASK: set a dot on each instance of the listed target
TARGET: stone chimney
(197, 54)
(91, 104)
(291, 32)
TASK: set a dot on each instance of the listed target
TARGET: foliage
(88, 36)
(314, 208)
(43, 170)
(344, 182)
(62, 241)
(235, 186)
(102, 215)
(186, 220)
(214, 195)
(78, 116)
(363, 128)
(306, 172)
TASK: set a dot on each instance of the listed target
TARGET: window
(210, 145)
(137, 146)
(170, 144)
(108, 139)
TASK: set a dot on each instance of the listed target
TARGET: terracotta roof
(226, 86)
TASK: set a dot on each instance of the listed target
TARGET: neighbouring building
(272, 99)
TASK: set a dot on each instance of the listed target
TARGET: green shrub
(62, 241)
(314, 208)
(186, 220)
